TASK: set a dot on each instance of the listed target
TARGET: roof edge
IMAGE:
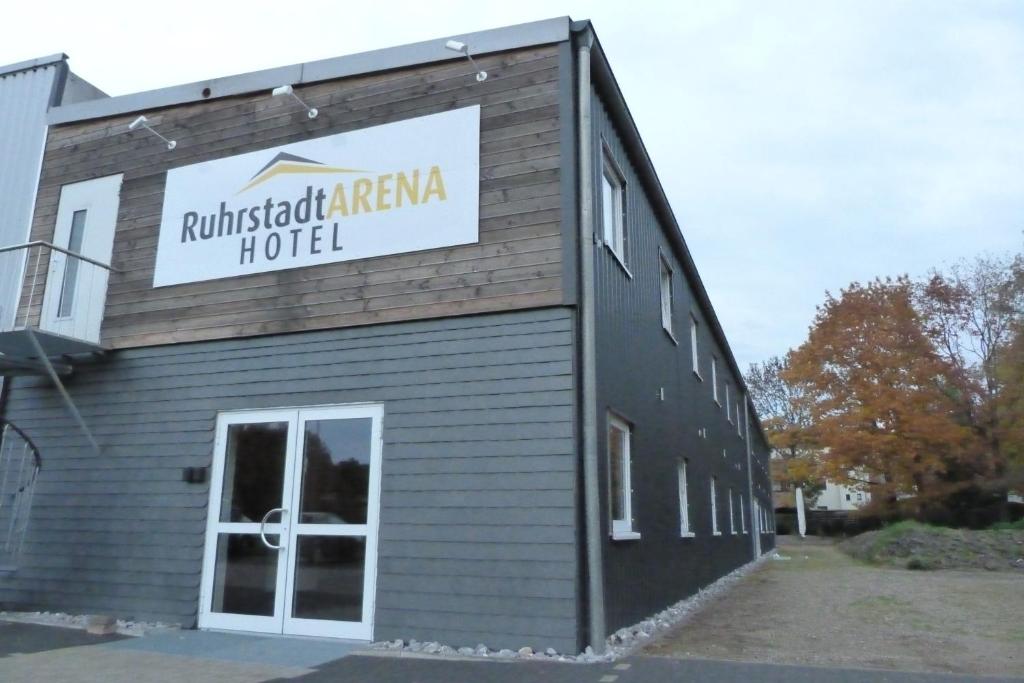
(604, 80)
(30, 64)
(425, 52)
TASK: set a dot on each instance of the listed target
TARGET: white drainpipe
(588, 379)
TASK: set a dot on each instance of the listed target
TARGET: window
(743, 516)
(70, 283)
(728, 410)
(612, 209)
(739, 421)
(666, 297)
(714, 379)
(693, 346)
(684, 502)
(619, 473)
(714, 508)
(732, 515)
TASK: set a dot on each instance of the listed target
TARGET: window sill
(688, 534)
(716, 533)
(671, 336)
(626, 536)
(621, 261)
(697, 375)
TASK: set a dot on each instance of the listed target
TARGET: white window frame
(694, 355)
(622, 529)
(728, 408)
(613, 231)
(739, 421)
(714, 508)
(743, 516)
(732, 514)
(666, 296)
(685, 530)
(746, 420)
(714, 379)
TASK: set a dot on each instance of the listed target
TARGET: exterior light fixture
(286, 90)
(143, 122)
(463, 49)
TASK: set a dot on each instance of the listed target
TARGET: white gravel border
(620, 644)
(81, 622)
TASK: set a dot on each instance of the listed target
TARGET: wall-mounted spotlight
(463, 49)
(143, 122)
(286, 90)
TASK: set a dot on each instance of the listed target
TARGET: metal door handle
(263, 525)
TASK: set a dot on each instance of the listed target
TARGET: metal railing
(43, 285)
(19, 469)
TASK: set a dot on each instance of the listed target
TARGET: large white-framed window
(694, 356)
(714, 379)
(732, 514)
(685, 530)
(714, 507)
(620, 487)
(613, 214)
(666, 296)
(739, 419)
(728, 407)
(743, 516)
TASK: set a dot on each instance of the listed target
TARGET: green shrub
(1009, 526)
(920, 563)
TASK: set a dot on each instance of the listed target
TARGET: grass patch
(1009, 526)
(916, 546)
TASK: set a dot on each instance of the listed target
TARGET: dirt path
(823, 608)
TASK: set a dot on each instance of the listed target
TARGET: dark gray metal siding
(477, 538)
(762, 485)
(636, 360)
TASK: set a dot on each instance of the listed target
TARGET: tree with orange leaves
(882, 406)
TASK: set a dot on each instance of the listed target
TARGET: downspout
(755, 526)
(588, 379)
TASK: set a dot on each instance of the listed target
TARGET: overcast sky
(803, 145)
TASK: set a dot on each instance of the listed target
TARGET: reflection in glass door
(291, 537)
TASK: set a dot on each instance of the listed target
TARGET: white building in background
(840, 497)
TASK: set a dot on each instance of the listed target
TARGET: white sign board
(389, 189)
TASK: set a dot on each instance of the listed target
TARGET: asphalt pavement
(639, 669)
(31, 653)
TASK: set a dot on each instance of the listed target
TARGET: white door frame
(289, 529)
(100, 199)
(214, 527)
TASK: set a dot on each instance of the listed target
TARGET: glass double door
(291, 538)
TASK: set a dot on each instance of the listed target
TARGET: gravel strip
(80, 621)
(620, 644)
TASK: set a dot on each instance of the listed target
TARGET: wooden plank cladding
(516, 264)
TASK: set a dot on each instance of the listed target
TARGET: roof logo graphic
(285, 164)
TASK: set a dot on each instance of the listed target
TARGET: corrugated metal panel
(637, 361)
(477, 537)
(24, 98)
